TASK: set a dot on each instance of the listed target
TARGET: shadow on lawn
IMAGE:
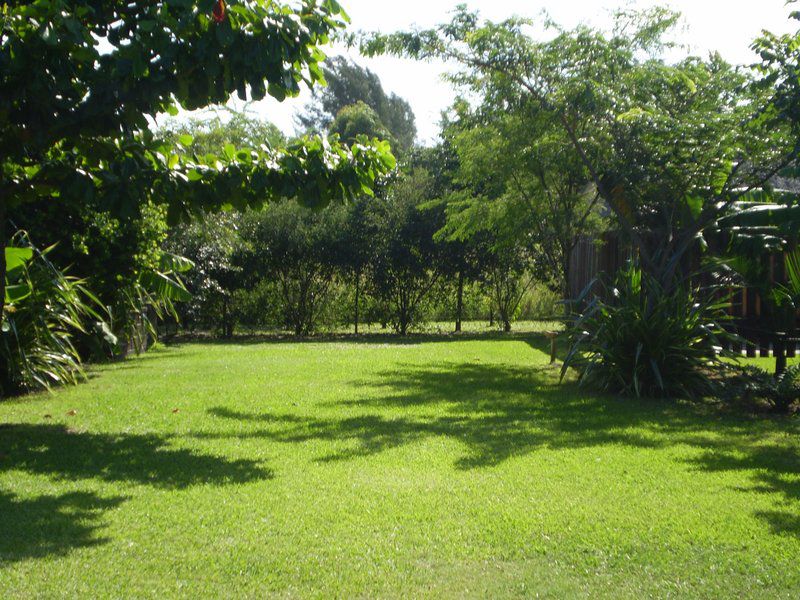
(499, 412)
(64, 453)
(773, 469)
(50, 525)
(54, 525)
(496, 411)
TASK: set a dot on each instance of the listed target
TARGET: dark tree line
(378, 260)
(410, 254)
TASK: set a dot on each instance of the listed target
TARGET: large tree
(406, 261)
(299, 250)
(79, 80)
(517, 167)
(668, 147)
(347, 84)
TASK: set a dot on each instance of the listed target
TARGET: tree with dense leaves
(668, 147)
(350, 84)
(210, 135)
(357, 120)
(356, 250)
(406, 255)
(298, 249)
(513, 160)
(459, 256)
(79, 80)
(213, 245)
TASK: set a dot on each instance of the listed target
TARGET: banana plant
(155, 293)
(44, 311)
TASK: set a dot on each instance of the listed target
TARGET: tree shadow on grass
(499, 412)
(61, 452)
(772, 468)
(50, 525)
(54, 525)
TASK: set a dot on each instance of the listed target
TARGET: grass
(449, 467)
(428, 328)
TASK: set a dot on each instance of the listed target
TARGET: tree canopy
(349, 84)
(668, 147)
(78, 84)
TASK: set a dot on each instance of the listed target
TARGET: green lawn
(433, 467)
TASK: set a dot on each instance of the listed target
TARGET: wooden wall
(593, 257)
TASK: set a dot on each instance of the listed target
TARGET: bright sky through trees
(727, 26)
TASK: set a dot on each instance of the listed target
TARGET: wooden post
(778, 351)
(552, 336)
(763, 347)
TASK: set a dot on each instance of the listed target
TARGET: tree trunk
(2, 259)
(403, 314)
(227, 326)
(4, 374)
(779, 349)
(565, 285)
(506, 325)
(459, 301)
(358, 289)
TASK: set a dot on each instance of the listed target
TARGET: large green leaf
(17, 257)
(793, 272)
(749, 215)
(172, 263)
(164, 287)
(16, 292)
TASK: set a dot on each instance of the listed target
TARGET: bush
(44, 312)
(751, 385)
(646, 341)
(540, 302)
(258, 308)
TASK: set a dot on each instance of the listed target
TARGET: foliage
(357, 250)
(210, 135)
(406, 261)
(349, 84)
(77, 87)
(358, 120)
(749, 385)
(45, 310)
(518, 167)
(112, 253)
(748, 243)
(662, 143)
(212, 244)
(507, 278)
(258, 307)
(299, 250)
(152, 298)
(647, 341)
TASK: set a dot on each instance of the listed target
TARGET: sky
(727, 26)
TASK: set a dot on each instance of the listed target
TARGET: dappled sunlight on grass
(388, 467)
